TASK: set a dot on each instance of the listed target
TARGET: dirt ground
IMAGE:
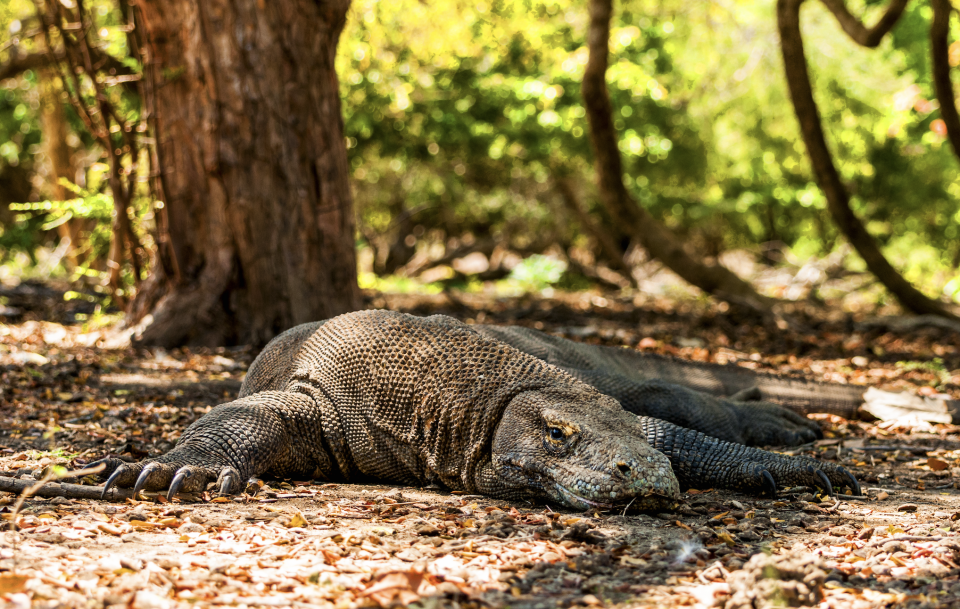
(64, 400)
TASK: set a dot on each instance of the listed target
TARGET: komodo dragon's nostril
(623, 467)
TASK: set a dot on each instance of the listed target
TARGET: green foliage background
(460, 116)
(470, 109)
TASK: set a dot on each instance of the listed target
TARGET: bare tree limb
(609, 248)
(20, 63)
(77, 491)
(838, 200)
(45, 487)
(102, 120)
(868, 37)
(625, 210)
(62, 489)
(940, 56)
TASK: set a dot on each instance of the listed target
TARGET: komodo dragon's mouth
(650, 501)
(576, 499)
(646, 502)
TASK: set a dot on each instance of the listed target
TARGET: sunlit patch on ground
(299, 543)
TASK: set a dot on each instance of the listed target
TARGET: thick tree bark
(940, 57)
(251, 151)
(838, 200)
(656, 238)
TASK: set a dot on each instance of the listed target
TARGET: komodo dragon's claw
(227, 483)
(111, 481)
(822, 481)
(183, 475)
(144, 476)
(851, 481)
(769, 484)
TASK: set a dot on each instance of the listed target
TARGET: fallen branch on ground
(62, 489)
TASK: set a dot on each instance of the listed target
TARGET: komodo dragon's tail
(797, 393)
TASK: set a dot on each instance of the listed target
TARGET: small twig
(917, 450)
(905, 538)
(852, 497)
(799, 449)
(628, 506)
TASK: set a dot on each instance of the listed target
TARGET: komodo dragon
(388, 396)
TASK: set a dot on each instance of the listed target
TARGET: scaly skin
(376, 394)
(725, 402)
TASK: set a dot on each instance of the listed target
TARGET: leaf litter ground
(299, 543)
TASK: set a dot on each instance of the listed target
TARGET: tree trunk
(656, 238)
(940, 59)
(57, 158)
(254, 169)
(838, 200)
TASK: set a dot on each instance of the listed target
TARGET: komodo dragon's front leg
(269, 432)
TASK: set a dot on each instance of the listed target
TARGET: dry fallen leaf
(11, 583)
(937, 465)
(109, 528)
(298, 521)
(396, 588)
(726, 538)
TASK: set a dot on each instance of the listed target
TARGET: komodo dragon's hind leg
(233, 442)
(743, 418)
(699, 460)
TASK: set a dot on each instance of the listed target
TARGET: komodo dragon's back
(272, 369)
(625, 366)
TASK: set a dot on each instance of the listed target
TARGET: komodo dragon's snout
(581, 449)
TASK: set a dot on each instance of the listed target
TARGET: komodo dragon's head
(580, 448)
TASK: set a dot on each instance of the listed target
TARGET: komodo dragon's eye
(556, 433)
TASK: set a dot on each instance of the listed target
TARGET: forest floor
(64, 400)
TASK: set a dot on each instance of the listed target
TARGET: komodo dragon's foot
(766, 424)
(171, 472)
(701, 461)
(228, 445)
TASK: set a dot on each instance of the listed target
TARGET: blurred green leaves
(538, 272)
(460, 115)
(471, 110)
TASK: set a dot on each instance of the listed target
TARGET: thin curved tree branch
(623, 208)
(861, 34)
(940, 57)
(20, 63)
(101, 119)
(838, 200)
(611, 252)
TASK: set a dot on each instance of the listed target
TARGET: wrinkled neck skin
(576, 447)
